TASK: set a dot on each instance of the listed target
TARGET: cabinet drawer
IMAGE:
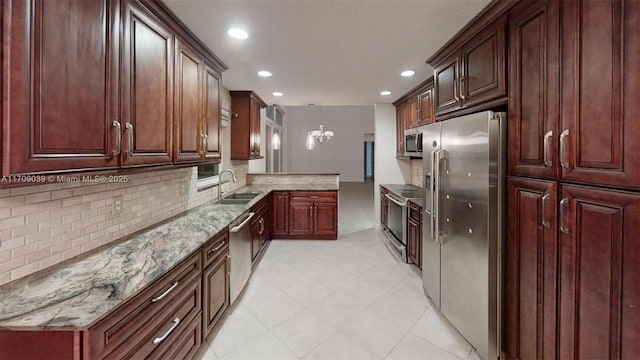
(136, 319)
(186, 345)
(314, 196)
(181, 311)
(214, 248)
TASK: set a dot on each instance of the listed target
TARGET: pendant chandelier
(318, 136)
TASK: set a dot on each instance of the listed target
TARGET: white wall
(388, 170)
(344, 154)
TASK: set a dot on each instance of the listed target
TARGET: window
(208, 175)
(274, 158)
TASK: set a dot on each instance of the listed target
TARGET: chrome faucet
(233, 177)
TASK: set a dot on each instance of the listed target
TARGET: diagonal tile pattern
(344, 299)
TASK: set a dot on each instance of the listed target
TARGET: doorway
(369, 148)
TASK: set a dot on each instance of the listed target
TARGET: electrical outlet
(118, 205)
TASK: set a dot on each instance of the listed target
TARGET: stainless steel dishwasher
(240, 253)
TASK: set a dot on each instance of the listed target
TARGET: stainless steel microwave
(413, 142)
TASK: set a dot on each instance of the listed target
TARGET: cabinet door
(425, 111)
(531, 270)
(300, 218)
(599, 263)
(189, 134)
(483, 71)
(255, 129)
(60, 79)
(534, 92)
(600, 112)
(415, 235)
(280, 213)
(445, 77)
(211, 120)
(400, 111)
(147, 88)
(413, 119)
(215, 286)
(325, 219)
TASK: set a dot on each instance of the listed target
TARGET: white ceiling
(326, 52)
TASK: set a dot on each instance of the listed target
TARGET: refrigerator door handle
(432, 214)
(439, 155)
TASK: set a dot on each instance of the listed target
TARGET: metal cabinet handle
(563, 203)
(543, 211)
(201, 144)
(176, 322)
(314, 197)
(316, 211)
(462, 88)
(310, 211)
(393, 200)
(547, 148)
(118, 148)
(166, 292)
(129, 127)
(237, 228)
(563, 149)
(205, 144)
(261, 226)
(217, 247)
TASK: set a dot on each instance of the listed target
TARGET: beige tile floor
(344, 299)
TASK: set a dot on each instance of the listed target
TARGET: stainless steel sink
(239, 198)
(234, 201)
(246, 195)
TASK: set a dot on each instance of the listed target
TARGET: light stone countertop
(77, 295)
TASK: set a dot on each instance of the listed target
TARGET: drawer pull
(176, 322)
(165, 293)
(217, 247)
(314, 197)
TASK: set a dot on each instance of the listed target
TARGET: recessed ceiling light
(385, 93)
(264, 73)
(408, 73)
(277, 93)
(238, 33)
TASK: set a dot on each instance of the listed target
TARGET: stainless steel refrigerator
(462, 240)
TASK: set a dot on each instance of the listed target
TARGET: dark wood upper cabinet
(531, 268)
(147, 88)
(245, 125)
(470, 70)
(599, 317)
(60, 85)
(188, 98)
(413, 118)
(534, 94)
(445, 78)
(425, 107)
(483, 65)
(599, 140)
(92, 87)
(211, 121)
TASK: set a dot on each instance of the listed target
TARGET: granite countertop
(77, 295)
(291, 173)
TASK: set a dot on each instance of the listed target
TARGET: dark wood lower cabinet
(599, 305)
(573, 254)
(415, 235)
(305, 215)
(531, 269)
(215, 281)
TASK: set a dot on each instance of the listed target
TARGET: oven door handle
(393, 200)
